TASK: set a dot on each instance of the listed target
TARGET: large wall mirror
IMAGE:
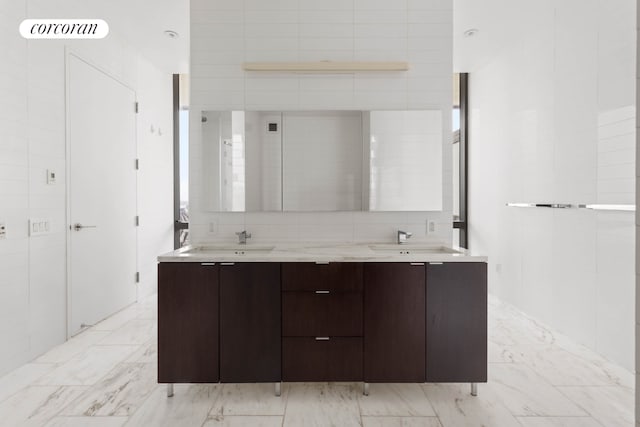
(260, 161)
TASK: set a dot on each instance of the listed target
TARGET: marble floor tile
(455, 406)
(561, 368)
(537, 378)
(321, 405)
(148, 353)
(117, 320)
(250, 399)
(188, 407)
(616, 374)
(612, 406)
(402, 400)
(400, 422)
(244, 421)
(87, 422)
(134, 332)
(72, 347)
(525, 393)
(502, 354)
(558, 422)
(88, 367)
(35, 405)
(21, 377)
(120, 393)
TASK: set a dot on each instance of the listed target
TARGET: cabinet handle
(322, 338)
(207, 263)
(323, 292)
(322, 262)
(436, 263)
(417, 263)
(227, 263)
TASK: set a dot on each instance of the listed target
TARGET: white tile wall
(308, 30)
(552, 120)
(32, 139)
(637, 220)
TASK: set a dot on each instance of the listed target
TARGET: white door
(102, 195)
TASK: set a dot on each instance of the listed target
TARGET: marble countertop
(320, 252)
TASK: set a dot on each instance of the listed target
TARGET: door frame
(68, 53)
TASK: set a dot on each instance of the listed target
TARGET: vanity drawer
(322, 359)
(322, 314)
(309, 276)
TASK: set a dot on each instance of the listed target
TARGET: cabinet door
(250, 327)
(457, 322)
(333, 277)
(187, 323)
(322, 359)
(312, 314)
(394, 322)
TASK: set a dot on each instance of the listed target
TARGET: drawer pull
(227, 263)
(417, 263)
(436, 263)
(323, 292)
(207, 263)
(322, 338)
(322, 262)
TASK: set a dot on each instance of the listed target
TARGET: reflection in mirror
(322, 167)
(322, 161)
(405, 161)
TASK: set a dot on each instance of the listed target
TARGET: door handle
(77, 226)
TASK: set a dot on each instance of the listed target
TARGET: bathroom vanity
(369, 313)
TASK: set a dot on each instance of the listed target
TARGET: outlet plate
(51, 177)
(431, 226)
(213, 227)
(39, 226)
(3, 230)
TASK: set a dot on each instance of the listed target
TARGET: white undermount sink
(231, 250)
(410, 249)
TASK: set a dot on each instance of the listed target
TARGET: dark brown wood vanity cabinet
(457, 322)
(250, 322)
(187, 323)
(322, 313)
(394, 326)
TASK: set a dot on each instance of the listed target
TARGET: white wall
(226, 33)
(637, 260)
(553, 121)
(32, 140)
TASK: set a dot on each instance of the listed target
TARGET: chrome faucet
(403, 236)
(243, 236)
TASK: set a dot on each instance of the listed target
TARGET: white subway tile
(380, 16)
(307, 16)
(271, 16)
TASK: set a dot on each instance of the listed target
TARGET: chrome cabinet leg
(278, 388)
(365, 389)
(474, 389)
(169, 390)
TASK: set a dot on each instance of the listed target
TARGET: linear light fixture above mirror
(326, 66)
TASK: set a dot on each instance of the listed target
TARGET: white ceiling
(143, 22)
(501, 23)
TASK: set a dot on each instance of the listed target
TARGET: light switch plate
(51, 177)
(3, 230)
(39, 226)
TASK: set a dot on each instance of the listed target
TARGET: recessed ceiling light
(171, 34)
(471, 32)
